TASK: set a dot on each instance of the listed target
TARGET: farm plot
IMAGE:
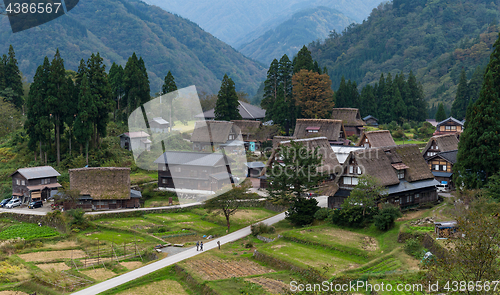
(99, 274)
(162, 287)
(27, 231)
(47, 256)
(53, 266)
(270, 285)
(211, 268)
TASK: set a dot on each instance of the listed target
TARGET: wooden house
(373, 139)
(158, 125)
(138, 140)
(34, 183)
(371, 121)
(441, 166)
(102, 188)
(212, 133)
(351, 118)
(449, 126)
(400, 169)
(440, 143)
(248, 130)
(246, 110)
(333, 130)
(193, 172)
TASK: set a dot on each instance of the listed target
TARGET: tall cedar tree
(441, 113)
(56, 99)
(474, 86)
(270, 86)
(296, 175)
(226, 108)
(115, 78)
(341, 95)
(478, 157)
(303, 60)
(136, 83)
(169, 86)
(459, 106)
(13, 79)
(399, 107)
(87, 110)
(2, 73)
(37, 124)
(313, 94)
(72, 109)
(368, 101)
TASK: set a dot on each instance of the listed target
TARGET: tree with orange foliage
(313, 94)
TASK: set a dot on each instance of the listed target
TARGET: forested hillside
(303, 27)
(239, 22)
(435, 39)
(117, 28)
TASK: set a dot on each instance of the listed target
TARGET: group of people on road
(199, 246)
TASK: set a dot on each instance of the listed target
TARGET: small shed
(135, 141)
(159, 125)
(445, 229)
(371, 121)
(255, 168)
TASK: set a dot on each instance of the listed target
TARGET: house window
(18, 181)
(23, 182)
(436, 167)
(351, 169)
(359, 170)
(164, 181)
(401, 174)
(231, 136)
(417, 196)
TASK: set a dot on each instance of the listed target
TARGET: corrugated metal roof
(137, 134)
(135, 194)
(37, 172)
(442, 174)
(246, 110)
(404, 186)
(191, 159)
(255, 165)
(159, 120)
(221, 175)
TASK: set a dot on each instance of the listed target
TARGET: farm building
(373, 139)
(246, 110)
(352, 120)
(371, 121)
(446, 229)
(135, 141)
(248, 130)
(333, 130)
(102, 188)
(34, 183)
(158, 125)
(441, 166)
(449, 126)
(401, 169)
(193, 172)
(440, 143)
(212, 133)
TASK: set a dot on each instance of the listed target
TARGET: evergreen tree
(226, 108)
(474, 86)
(116, 83)
(316, 68)
(2, 74)
(271, 85)
(132, 79)
(13, 79)
(459, 106)
(86, 112)
(169, 86)
(441, 113)
(353, 95)
(145, 89)
(342, 95)
(303, 60)
(313, 94)
(399, 108)
(417, 111)
(285, 73)
(368, 101)
(72, 109)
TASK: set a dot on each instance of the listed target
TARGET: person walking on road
(197, 245)
(201, 246)
(218, 244)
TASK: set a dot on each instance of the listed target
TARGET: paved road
(117, 281)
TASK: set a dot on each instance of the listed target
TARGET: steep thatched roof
(329, 128)
(278, 139)
(329, 188)
(379, 138)
(329, 165)
(247, 127)
(409, 155)
(211, 131)
(101, 183)
(350, 117)
(445, 143)
(375, 162)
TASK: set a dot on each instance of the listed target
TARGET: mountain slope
(117, 28)
(302, 28)
(433, 38)
(238, 22)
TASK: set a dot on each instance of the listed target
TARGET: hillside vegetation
(117, 28)
(435, 39)
(288, 37)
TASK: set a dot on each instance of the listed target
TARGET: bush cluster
(262, 228)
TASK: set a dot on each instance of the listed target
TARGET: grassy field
(189, 127)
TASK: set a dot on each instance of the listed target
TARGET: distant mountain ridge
(117, 28)
(240, 22)
(302, 28)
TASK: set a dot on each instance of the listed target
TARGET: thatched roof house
(351, 118)
(440, 143)
(401, 169)
(333, 130)
(278, 139)
(247, 128)
(101, 183)
(246, 110)
(379, 138)
(208, 133)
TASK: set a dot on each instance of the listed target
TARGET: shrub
(406, 126)
(261, 228)
(398, 134)
(302, 211)
(322, 213)
(413, 247)
(385, 218)
(249, 244)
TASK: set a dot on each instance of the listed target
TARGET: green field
(27, 231)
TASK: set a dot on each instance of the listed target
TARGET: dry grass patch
(56, 266)
(52, 255)
(12, 293)
(131, 265)
(99, 274)
(370, 244)
(162, 287)
(61, 245)
(411, 215)
(270, 285)
(245, 215)
(211, 269)
(340, 236)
